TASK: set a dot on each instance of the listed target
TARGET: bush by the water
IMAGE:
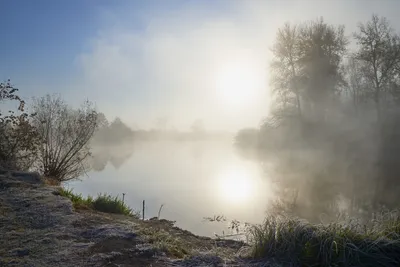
(103, 203)
(336, 244)
(52, 139)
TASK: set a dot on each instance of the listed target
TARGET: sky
(142, 60)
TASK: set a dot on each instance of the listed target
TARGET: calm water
(193, 180)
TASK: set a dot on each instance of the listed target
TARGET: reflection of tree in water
(117, 158)
(99, 162)
(117, 161)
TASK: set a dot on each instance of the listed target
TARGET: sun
(235, 185)
(237, 84)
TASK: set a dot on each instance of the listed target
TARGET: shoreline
(42, 228)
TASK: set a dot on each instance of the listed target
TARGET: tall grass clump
(78, 201)
(337, 244)
(110, 204)
(103, 202)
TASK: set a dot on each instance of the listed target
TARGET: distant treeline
(118, 132)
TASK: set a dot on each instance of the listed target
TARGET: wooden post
(123, 198)
(143, 210)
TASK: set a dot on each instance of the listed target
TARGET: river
(193, 180)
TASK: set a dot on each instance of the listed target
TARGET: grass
(287, 239)
(109, 204)
(103, 202)
(165, 242)
(299, 243)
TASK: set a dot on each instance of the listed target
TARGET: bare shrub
(65, 134)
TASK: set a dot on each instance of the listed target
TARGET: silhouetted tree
(306, 72)
(285, 68)
(247, 138)
(379, 52)
(357, 87)
(322, 47)
(118, 130)
(315, 147)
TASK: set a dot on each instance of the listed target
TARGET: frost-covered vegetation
(352, 243)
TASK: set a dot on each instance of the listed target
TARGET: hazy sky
(140, 60)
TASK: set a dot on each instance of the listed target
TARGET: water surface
(192, 179)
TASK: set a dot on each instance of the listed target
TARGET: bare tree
(285, 67)
(299, 135)
(357, 87)
(306, 70)
(321, 47)
(65, 134)
(379, 50)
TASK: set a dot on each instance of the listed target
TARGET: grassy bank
(297, 242)
(103, 203)
(287, 240)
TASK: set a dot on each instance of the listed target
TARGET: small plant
(110, 204)
(215, 218)
(103, 202)
(78, 201)
(237, 230)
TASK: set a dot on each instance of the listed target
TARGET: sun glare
(235, 185)
(237, 84)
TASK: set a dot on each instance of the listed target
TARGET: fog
(320, 144)
(153, 61)
(243, 109)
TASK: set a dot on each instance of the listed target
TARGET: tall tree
(357, 88)
(321, 47)
(306, 69)
(285, 67)
(307, 77)
(379, 50)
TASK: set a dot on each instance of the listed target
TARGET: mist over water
(193, 180)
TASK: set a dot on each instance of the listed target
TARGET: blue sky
(144, 59)
(43, 37)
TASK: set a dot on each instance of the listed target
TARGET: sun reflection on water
(236, 185)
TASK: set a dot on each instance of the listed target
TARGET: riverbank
(39, 227)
